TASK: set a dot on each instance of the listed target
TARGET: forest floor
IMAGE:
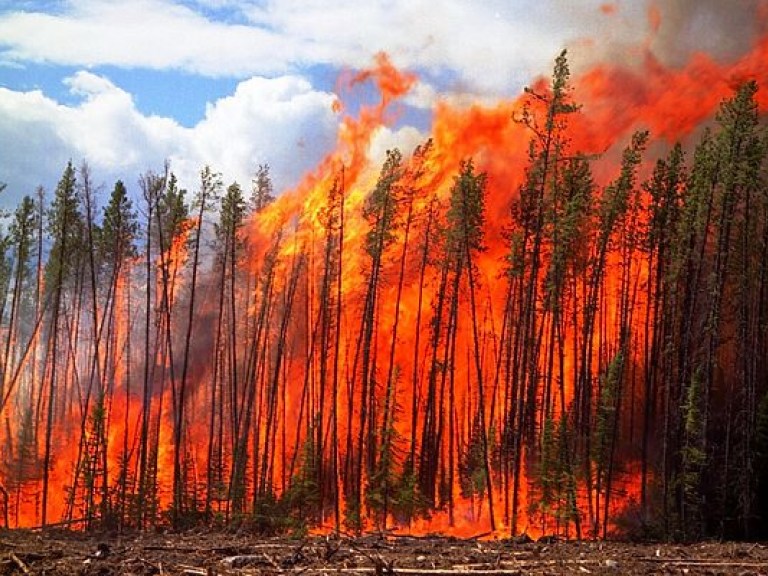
(204, 554)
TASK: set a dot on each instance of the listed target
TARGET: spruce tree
(465, 221)
(381, 212)
(228, 245)
(119, 231)
(210, 187)
(66, 230)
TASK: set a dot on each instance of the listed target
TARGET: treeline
(378, 359)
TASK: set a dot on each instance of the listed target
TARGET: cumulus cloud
(406, 139)
(154, 34)
(478, 45)
(282, 121)
(31, 142)
(475, 50)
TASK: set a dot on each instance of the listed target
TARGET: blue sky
(125, 85)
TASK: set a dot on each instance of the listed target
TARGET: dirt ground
(203, 554)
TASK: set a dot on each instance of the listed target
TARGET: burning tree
(485, 334)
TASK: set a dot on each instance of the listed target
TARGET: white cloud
(477, 45)
(281, 121)
(31, 143)
(140, 33)
(405, 139)
(464, 50)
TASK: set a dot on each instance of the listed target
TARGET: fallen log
(703, 562)
(20, 563)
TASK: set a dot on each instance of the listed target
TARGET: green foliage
(547, 473)
(172, 212)
(693, 461)
(616, 198)
(330, 214)
(65, 226)
(210, 188)
(740, 142)
(302, 498)
(353, 515)
(665, 189)
(22, 230)
(760, 482)
(381, 206)
(408, 502)
(271, 516)
(560, 89)
(262, 194)
(384, 492)
(554, 201)
(119, 228)
(380, 495)
(674, 300)
(605, 419)
(5, 279)
(557, 103)
(94, 458)
(555, 498)
(466, 211)
(231, 214)
(568, 222)
(472, 472)
(699, 189)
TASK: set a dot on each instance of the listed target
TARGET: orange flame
(290, 377)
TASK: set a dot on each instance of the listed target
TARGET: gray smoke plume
(724, 29)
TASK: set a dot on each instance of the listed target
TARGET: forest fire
(515, 328)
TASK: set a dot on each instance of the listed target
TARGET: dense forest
(500, 331)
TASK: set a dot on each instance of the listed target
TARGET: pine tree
(263, 193)
(693, 461)
(381, 212)
(210, 186)
(65, 227)
(664, 190)
(152, 186)
(742, 144)
(465, 220)
(611, 211)
(21, 238)
(539, 217)
(760, 455)
(119, 231)
(228, 246)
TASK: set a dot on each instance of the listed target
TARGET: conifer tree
(539, 218)
(465, 220)
(65, 228)
(21, 239)
(228, 245)
(152, 186)
(263, 193)
(119, 231)
(381, 212)
(210, 186)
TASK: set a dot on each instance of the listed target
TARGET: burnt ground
(203, 554)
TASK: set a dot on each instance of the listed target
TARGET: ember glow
(483, 335)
